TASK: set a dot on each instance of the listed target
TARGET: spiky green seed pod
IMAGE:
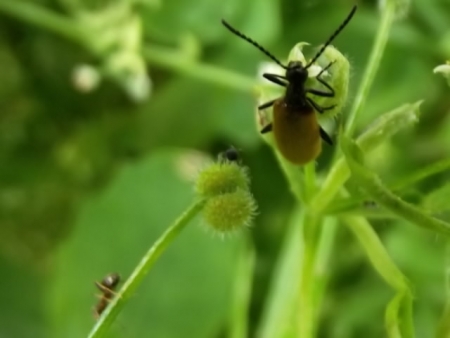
(229, 212)
(221, 178)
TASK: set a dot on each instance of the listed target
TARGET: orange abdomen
(297, 134)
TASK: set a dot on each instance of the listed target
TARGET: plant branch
(142, 270)
(373, 64)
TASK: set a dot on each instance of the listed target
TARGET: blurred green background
(89, 180)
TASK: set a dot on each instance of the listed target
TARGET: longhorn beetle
(295, 126)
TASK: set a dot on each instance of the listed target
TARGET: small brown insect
(107, 287)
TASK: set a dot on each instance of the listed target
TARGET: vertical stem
(326, 244)
(373, 64)
(443, 330)
(242, 291)
(307, 309)
(310, 180)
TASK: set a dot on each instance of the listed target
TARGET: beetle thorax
(296, 74)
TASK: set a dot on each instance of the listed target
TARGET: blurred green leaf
(22, 301)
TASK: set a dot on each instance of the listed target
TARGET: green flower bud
(221, 178)
(230, 212)
(337, 76)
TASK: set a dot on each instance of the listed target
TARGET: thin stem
(373, 186)
(325, 251)
(372, 66)
(310, 180)
(399, 311)
(307, 310)
(165, 57)
(383, 128)
(281, 301)
(443, 329)
(172, 59)
(142, 270)
(43, 18)
(421, 174)
(242, 291)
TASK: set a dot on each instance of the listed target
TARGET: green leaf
(21, 308)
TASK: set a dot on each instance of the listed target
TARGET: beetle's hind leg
(317, 92)
(267, 104)
(319, 109)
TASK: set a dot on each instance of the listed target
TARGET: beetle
(296, 129)
(107, 287)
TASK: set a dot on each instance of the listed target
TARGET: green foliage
(94, 97)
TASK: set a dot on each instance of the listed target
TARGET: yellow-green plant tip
(444, 70)
(228, 213)
(400, 7)
(221, 178)
(296, 53)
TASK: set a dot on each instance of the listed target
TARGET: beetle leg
(319, 108)
(325, 136)
(275, 78)
(266, 129)
(331, 92)
(267, 104)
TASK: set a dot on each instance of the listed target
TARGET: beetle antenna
(254, 43)
(332, 37)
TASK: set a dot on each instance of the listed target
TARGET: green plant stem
(310, 180)
(293, 175)
(421, 174)
(385, 126)
(46, 19)
(373, 64)
(376, 252)
(443, 329)
(353, 204)
(174, 60)
(307, 310)
(325, 251)
(164, 57)
(142, 270)
(242, 291)
(398, 316)
(373, 186)
(281, 300)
